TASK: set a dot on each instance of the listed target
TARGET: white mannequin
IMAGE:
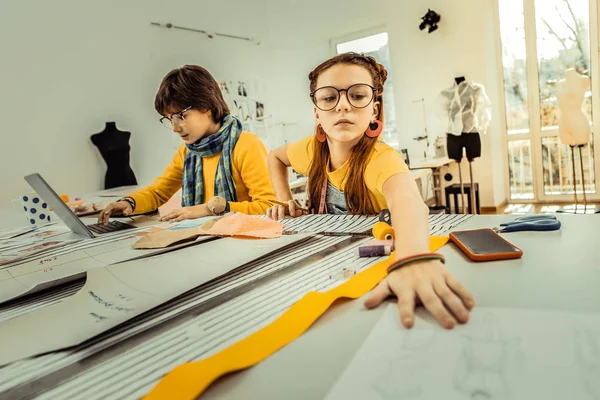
(573, 126)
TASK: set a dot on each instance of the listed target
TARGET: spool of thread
(374, 251)
(383, 231)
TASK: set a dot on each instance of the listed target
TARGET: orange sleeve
(163, 188)
(250, 158)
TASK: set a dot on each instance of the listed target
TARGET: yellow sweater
(250, 175)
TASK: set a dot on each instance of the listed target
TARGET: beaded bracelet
(129, 200)
(415, 258)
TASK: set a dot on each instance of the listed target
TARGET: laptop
(67, 216)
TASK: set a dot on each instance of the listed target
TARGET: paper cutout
(159, 240)
(117, 293)
(189, 380)
(238, 224)
(233, 224)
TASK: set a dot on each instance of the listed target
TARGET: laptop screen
(61, 209)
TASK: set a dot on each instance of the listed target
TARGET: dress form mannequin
(573, 126)
(113, 145)
(467, 110)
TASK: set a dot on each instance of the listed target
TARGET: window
(376, 45)
(533, 62)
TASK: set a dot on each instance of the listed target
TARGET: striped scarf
(223, 141)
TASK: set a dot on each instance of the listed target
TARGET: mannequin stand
(462, 188)
(472, 192)
(575, 209)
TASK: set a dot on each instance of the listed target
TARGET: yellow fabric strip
(189, 380)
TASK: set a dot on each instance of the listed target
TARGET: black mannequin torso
(113, 145)
(470, 141)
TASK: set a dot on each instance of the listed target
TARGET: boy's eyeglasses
(175, 118)
(327, 98)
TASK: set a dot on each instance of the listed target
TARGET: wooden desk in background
(435, 165)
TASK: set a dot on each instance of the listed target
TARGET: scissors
(530, 223)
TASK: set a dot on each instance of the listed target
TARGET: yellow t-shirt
(250, 176)
(384, 163)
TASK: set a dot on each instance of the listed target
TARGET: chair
(455, 190)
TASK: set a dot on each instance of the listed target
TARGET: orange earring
(321, 135)
(374, 129)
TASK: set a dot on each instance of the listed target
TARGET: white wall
(69, 66)
(423, 64)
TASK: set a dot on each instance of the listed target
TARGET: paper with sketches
(173, 204)
(233, 224)
(22, 249)
(117, 293)
(72, 261)
(498, 354)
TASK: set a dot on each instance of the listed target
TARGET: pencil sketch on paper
(501, 354)
(395, 384)
(486, 361)
(406, 354)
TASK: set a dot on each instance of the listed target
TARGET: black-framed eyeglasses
(175, 118)
(327, 98)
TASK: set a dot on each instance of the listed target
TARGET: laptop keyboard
(113, 226)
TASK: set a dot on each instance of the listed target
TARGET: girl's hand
(430, 284)
(278, 212)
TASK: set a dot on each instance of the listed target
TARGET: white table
(559, 271)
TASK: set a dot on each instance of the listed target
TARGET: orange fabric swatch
(189, 380)
(238, 224)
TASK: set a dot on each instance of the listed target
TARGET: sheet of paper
(26, 249)
(70, 262)
(114, 294)
(46, 232)
(232, 224)
(9, 234)
(499, 354)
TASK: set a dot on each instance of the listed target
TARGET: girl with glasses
(350, 171)
(216, 158)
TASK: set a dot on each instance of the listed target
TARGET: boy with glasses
(217, 159)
